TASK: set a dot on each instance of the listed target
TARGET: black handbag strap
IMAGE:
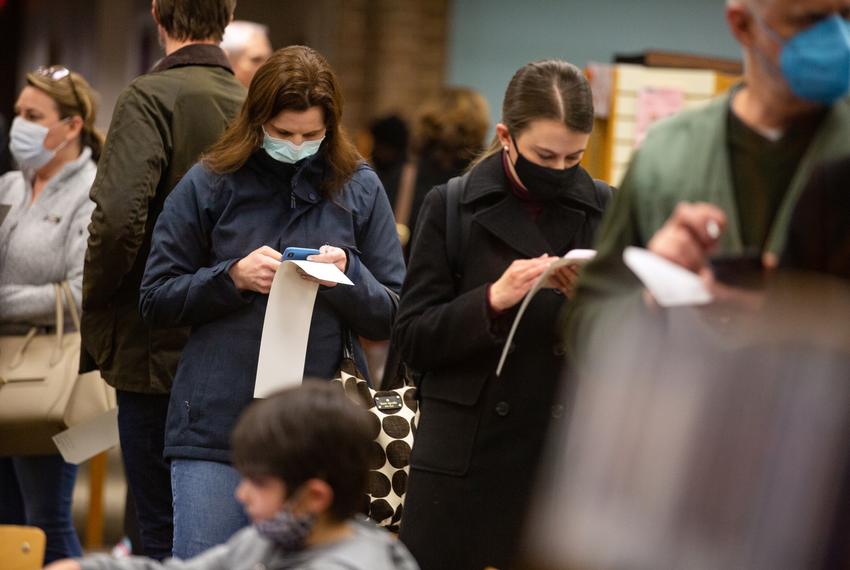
(347, 345)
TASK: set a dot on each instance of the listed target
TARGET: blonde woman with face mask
(42, 241)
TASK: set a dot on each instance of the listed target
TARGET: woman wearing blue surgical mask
(44, 216)
(283, 175)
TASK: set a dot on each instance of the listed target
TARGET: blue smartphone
(298, 253)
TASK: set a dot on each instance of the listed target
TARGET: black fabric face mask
(543, 184)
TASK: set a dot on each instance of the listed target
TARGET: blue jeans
(206, 512)
(141, 427)
(36, 491)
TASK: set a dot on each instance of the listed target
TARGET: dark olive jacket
(480, 437)
(162, 123)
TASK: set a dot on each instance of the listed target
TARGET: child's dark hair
(312, 431)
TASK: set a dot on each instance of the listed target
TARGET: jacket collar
(506, 219)
(194, 54)
(68, 170)
(489, 178)
(305, 177)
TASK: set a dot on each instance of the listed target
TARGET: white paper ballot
(578, 257)
(323, 271)
(83, 441)
(670, 284)
(283, 348)
(575, 257)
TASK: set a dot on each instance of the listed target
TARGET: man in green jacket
(162, 123)
(725, 178)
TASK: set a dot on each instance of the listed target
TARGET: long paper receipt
(670, 284)
(575, 257)
(286, 327)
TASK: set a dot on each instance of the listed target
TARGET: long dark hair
(549, 89)
(295, 78)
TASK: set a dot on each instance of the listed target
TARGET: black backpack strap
(457, 229)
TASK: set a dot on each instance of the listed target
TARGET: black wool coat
(480, 437)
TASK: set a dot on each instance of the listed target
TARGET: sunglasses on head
(58, 73)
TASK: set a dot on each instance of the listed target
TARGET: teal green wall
(490, 39)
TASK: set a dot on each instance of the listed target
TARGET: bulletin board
(639, 96)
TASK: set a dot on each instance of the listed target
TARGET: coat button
(312, 196)
(503, 409)
(557, 411)
(559, 350)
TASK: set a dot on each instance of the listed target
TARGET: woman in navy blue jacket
(283, 174)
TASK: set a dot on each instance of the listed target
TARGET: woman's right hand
(256, 271)
(516, 281)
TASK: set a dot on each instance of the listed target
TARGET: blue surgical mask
(285, 151)
(816, 62)
(26, 143)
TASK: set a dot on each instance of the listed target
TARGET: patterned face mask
(287, 530)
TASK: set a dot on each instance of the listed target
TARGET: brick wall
(390, 55)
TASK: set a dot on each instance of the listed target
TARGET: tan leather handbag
(41, 391)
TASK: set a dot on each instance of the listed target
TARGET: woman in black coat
(480, 437)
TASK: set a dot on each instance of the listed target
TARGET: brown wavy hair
(295, 78)
(451, 126)
(73, 96)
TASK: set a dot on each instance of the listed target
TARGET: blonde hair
(73, 97)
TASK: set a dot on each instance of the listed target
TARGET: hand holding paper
(689, 235)
(514, 283)
(575, 259)
(331, 255)
(255, 271)
(283, 347)
(670, 284)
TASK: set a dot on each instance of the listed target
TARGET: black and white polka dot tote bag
(395, 414)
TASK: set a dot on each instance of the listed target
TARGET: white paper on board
(83, 441)
(286, 327)
(671, 285)
(575, 257)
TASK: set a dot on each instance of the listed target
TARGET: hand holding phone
(298, 253)
(746, 271)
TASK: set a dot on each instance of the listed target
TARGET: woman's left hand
(327, 254)
(566, 279)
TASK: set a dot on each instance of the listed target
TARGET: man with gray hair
(247, 47)
(725, 178)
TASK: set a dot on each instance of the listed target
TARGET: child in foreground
(303, 456)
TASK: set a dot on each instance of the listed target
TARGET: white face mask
(285, 151)
(26, 143)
